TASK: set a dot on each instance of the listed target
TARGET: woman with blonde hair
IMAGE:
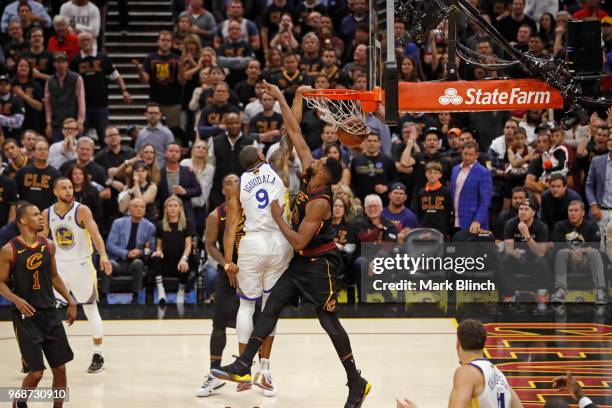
(171, 256)
(352, 205)
(147, 154)
(204, 171)
(139, 185)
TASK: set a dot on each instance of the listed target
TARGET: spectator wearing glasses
(40, 58)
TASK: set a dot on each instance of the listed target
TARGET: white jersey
(72, 241)
(496, 392)
(258, 188)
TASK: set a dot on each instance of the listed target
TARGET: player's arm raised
(60, 286)
(6, 261)
(231, 226)
(85, 217)
(464, 380)
(292, 125)
(316, 211)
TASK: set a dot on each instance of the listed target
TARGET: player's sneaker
(558, 296)
(236, 372)
(243, 387)
(359, 388)
(600, 297)
(211, 384)
(263, 380)
(97, 364)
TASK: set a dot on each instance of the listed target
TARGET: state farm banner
(473, 96)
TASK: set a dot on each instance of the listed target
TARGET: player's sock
(217, 344)
(264, 364)
(330, 323)
(98, 348)
(180, 295)
(93, 316)
(161, 292)
(244, 320)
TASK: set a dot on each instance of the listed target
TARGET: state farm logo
(514, 96)
(450, 96)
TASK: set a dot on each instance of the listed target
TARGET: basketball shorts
(311, 278)
(42, 334)
(262, 259)
(226, 301)
(80, 278)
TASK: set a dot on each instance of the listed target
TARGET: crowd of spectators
(515, 175)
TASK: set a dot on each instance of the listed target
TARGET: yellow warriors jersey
(258, 188)
(71, 239)
(496, 392)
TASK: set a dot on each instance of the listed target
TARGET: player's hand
(276, 210)
(24, 307)
(106, 265)
(405, 404)
(569, 384)
(183, 266)
(304, 88)
(474, 227)
(231, 269)
(272, 90)
(72, 313)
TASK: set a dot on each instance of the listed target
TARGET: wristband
(584, 402)
(184, 258)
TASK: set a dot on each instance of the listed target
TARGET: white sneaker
(263, 380)
(211, 384)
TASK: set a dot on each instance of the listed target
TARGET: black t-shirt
(502, 219)
(584, 235)
(215, 115)
(9, 107)
(173, 241)
(245, 92)
(262, 124)
(165, 88)
(8, 197)
(272, 16)
(107, 158)
(310, 66)
(368, 171)
(43, 62)
(509, 27)
(421, 160)
(344, 233)
(33, 119)
(289, 83)
(535, 168)
(538, 231)
(36, 185)
(96, 171)
(434, 209)
(96, 72)
(206, 98)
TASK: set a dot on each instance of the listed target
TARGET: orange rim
(345, 94)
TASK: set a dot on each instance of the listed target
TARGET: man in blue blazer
(598, 190)
(471, 189)
(125, 245)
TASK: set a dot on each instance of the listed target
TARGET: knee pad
(244, 320)
(93, 316)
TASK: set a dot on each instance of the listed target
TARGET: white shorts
(79, 276)
(262, 259)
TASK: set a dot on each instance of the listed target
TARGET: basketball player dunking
(312, 270)
(226, 302)
(477, 383)
(264, 253)
(73, 229)
(28, 262)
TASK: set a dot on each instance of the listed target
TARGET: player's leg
(250, 289)
(95, 320)
(240, 369)
(60, 381)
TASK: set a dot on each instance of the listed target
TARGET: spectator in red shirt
(63, 40)
(590, 8)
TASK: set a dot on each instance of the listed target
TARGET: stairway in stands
(146, 20)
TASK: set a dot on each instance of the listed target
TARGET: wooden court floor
(160, 363)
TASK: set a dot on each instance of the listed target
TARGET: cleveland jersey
(31, 273)
(496, 392)
(72, 241)
(325, 233)
(221, 218)
(258, 188)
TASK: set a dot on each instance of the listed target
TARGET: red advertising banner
(474, 96)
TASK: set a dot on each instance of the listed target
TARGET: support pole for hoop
(451, 67)
(390, 76)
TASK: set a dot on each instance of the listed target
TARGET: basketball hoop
(344, 108)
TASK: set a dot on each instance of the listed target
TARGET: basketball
(351, 140)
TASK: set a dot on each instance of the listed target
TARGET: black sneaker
(235, 372)
(358, 390)
(97, 364)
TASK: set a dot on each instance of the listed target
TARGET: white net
(347, 114)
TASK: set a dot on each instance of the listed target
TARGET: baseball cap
(455, 131)
(433, 130)
(398, 186)
(606, 21)
(4, 78)
(531, 203)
